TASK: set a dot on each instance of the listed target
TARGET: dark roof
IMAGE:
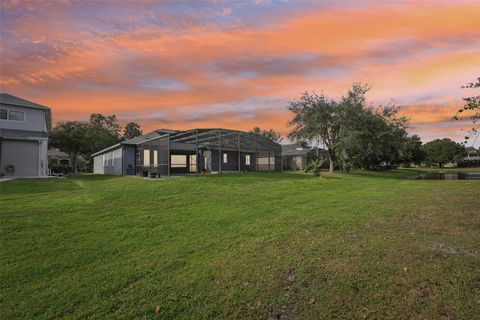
(8, 99)
(115, 146)
(59, 154)
(148, 136)
(22, 134)
(206, 137)
(296, 149)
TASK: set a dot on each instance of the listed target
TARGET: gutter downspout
(39, 158)
(123, 159)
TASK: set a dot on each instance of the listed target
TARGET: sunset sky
(179, 65)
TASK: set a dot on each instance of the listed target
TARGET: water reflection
(448, 176)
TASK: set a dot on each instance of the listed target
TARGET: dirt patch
(449, 249)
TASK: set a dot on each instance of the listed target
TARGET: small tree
(442, 151)
(315, 166)
(131, 130)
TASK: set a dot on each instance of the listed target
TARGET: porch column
(168, 154)
(197, 158)
(256, 155)
(220, 160)
(238, 150)
(268, 161)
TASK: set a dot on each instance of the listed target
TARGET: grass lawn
(241, 246)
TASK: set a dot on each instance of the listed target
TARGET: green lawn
(240, 246)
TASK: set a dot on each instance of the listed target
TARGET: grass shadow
(34, 186)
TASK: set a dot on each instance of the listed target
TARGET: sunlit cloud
(237, 64)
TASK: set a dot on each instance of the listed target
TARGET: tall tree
(355, 134)
(368, 136)
(131, 130)
(316, 117)
(442, 151)
(269, 134)
(69, 136)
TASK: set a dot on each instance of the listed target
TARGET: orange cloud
(81, 58)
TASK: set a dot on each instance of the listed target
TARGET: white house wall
(112, 165)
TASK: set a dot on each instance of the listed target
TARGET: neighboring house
(60, 159)
(472, 159)
(24, 127)
(173, 152)
(296, 156)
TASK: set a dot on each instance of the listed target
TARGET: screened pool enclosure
(206, 151)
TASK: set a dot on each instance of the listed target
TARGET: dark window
(3, 114)
(16, 115)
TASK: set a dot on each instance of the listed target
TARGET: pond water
(448, 176)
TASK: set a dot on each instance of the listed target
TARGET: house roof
(205, 137)
(296, 149)
(59, 154)
(115, 146)
(148, 136)
(11, 100)
(22, 134)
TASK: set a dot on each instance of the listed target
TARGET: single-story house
(296, 156)
(24, 127)
(166, 152)
(59, 159)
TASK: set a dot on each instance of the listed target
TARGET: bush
(315, 166)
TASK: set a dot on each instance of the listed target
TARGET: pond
(447, 176)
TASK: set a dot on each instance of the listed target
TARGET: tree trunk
(73, 158)
(330, 159)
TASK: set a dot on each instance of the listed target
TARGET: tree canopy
(443, 151)
(69, 136)
(87, 137)
(356, 135)
(412, 151)
(131, 130)
(316, 117)
(269, 134)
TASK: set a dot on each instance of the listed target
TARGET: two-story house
(24, 127)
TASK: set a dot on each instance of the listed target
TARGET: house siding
(24, 143)
(113, 163)
(129, 155)
(34, 119)
(23, 155)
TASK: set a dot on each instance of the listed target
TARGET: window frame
(155, 157)
(247, 160)
(146, 152)
(178, 164)
(18, 111)
(225, 158)
(6, 119)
